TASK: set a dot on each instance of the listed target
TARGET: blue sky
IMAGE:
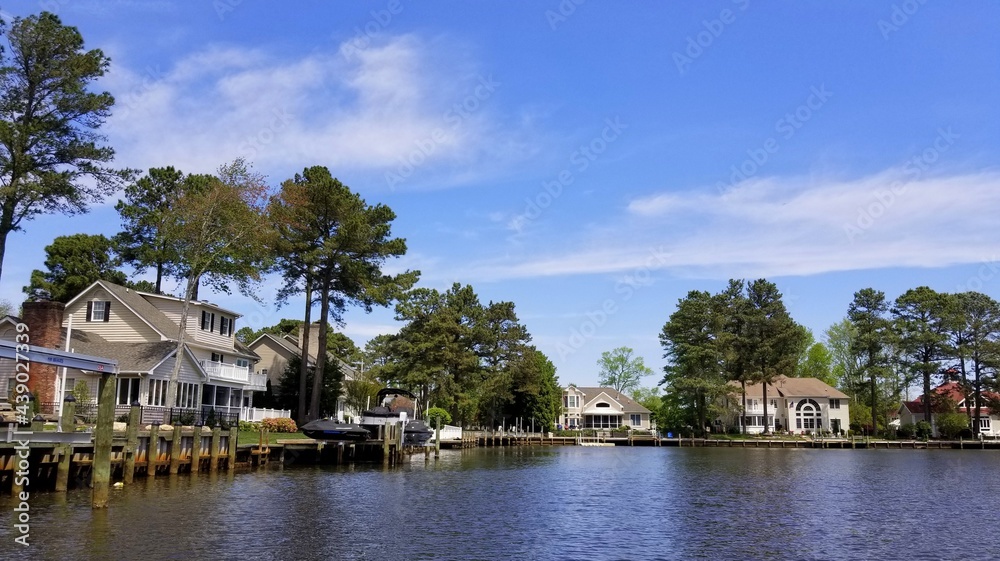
(589, 161)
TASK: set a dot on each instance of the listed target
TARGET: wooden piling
(132, 442)
(175, 451)
(66, 424)
(153, 450)
(195, 449)
(68, 421)
(385, 444)
(437, 437)
(231, 460)
(213, 454)
(62, 470)
(101, 467)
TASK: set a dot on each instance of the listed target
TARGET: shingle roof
(143, 308)
(131, 357)
(784, 386)
(629, 404)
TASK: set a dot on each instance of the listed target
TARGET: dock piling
(101, 467)
(132, 442)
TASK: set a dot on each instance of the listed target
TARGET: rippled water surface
(549, 503)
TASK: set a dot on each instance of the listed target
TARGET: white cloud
(386, 104)
(786, 226)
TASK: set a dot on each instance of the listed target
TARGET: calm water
(550, 503)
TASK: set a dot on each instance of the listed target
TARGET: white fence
(449, 432)
(255, 414)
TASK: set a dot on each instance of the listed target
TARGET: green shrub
(951, 425)
(249, 426)
(923, 429)
(279, 425)
(909, 430)
(435, 413)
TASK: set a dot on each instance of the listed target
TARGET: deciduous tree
(621, 369)
(219, 235)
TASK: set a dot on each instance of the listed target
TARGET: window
(984, 423)
(187, 395)
(128, 391)
(217, 357)
(264, 371)
(243, 362)
(635, 420)
(774, 404)
(835, 404)
(224, 325)
(207, 321)
(157, 393)
(68, 388)
(571, 401)
(808, 415)
(98, 310)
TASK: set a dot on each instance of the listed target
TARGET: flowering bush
(279, 425)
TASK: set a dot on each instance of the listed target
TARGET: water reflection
(548, 503)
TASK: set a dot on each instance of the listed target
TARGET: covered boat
(389, 410)
(332, 429)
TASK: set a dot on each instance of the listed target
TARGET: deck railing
(256, 414)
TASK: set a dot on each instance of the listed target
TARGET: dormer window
(225, 326)
(98, 310)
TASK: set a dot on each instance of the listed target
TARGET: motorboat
(391, 410)
(332, 429)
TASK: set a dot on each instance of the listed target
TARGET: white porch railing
(223, 371)
(255, 414)
(258, 382)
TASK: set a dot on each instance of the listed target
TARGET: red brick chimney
(44, 321)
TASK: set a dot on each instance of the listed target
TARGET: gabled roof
(287, 342)
(203, 303)
(628, 404)
(791, 388)
(138, 305)
(132, 357)
(952, 391)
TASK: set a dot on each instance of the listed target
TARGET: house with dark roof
(949, 396)
(276, 351)
(140, 330)
(798, 405)
(602, 408)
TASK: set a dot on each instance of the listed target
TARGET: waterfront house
(798, 405)
(912, 412)
(276, 351)
(602, 408)
(140, 331)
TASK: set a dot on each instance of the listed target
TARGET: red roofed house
(913, 411)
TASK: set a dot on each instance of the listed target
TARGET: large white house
(798, 405)
(601, 408)
(140, 331)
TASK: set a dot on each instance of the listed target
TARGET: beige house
(912, 412)
(140, 331)
(798, 405)
(276, 351)
(602, 408)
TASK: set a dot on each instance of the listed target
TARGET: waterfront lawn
(253, 437)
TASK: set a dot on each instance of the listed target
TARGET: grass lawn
(253, 437)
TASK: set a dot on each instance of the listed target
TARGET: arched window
(808, 415)
(602, 404)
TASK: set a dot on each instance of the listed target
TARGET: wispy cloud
(784, 226)
(367, 112)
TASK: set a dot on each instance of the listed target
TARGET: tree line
(229, 229)
(745, 335)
